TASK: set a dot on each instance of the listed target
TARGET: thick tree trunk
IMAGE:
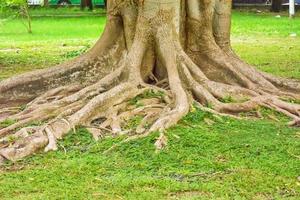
(154, 59)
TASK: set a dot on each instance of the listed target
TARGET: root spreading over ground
(154, 60)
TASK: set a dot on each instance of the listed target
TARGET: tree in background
(276, 5)
(156, 60)
(19, 8)
(86, 3)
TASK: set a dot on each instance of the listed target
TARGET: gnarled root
(108, 107)
(150, 87)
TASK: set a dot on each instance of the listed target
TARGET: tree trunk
(86, 3)
(276, 6)
(46, 3)
(24, 10)
(154, 60)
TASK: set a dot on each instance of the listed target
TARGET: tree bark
(154, 60)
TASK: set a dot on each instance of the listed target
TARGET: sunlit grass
(222, 159)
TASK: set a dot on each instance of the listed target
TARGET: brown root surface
(157, 59)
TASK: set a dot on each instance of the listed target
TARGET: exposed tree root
(149, 83)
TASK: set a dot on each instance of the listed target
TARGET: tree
(21, 8)
(86, 3)
(276, 6)
(154, 60)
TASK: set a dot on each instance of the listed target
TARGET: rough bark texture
(154, 60)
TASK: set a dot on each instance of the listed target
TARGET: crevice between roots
(106, 107)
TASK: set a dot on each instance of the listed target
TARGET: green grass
(207, 157)
(55, 11)
(227, 160)
(54, 40)
(266, 42)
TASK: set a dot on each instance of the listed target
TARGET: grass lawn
(207, 157)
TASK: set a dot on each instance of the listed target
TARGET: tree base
(154, 84)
